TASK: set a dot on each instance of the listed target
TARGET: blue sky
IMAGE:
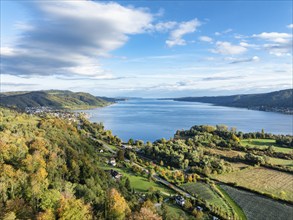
(147, 48)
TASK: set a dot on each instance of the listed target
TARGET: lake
(150, 119)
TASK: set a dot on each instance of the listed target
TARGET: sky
(146, 48)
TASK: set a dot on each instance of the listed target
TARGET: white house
(112, 162)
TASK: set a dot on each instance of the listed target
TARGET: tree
(74, 209)
(127, 184)
(187, 204)
(117, 206)
(130, 141)
(145, 214)
(120, 155)
(235, 138)
(46, 215)
(50, 199)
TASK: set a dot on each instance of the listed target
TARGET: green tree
(120, 155)
(127, 184)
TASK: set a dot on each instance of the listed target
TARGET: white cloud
(69, 37)
(278, 50)
(247, 45)
(290, 26)
(274, 37)
(206, 39)
(279, 44)
(227, 48)
(223, 32)
(247, 60)
(164, 26)
(176, 35)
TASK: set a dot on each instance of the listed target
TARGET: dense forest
(49, 170)
(273, 101)
(57, 99)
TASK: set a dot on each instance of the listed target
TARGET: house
(112, 162)
(199, 208)
(115, 174)
(215, 218)
(180, 200)
(101, 151)
(127, 147)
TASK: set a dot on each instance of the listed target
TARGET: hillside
(49, 169)
(281, 101)
(57, 99)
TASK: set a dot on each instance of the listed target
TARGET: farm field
(277, 183)
(257, 207)
(264, 144)
(203, 191)
(238, 166)
(233, 153)
(232, 203)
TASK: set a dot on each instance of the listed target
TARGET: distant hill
(279, 101)
(111, 99)
(60, 99)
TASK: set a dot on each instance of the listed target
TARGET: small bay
(151, 119)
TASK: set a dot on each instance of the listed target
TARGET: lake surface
(150, 119)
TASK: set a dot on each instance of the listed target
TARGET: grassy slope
(139, 183)
(203, 191)
(51, 98)
(264, 144)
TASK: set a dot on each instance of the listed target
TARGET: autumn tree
(74, 209)
(117, 206)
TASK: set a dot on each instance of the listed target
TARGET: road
(172, 186)
(104, 145)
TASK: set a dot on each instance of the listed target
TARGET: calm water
(149, 119)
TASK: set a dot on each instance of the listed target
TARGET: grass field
(279, 184)
(257, 207)
(264, 144)
(177, 213)
(204, 192)
(278, 161)
(139, 183)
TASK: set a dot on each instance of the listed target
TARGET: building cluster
(45, 110)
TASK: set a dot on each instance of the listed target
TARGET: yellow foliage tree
(118, 207)
(73, 209)
(145, 214)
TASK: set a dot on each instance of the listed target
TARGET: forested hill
(60, 99)
(49, 169)
(281, 101)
